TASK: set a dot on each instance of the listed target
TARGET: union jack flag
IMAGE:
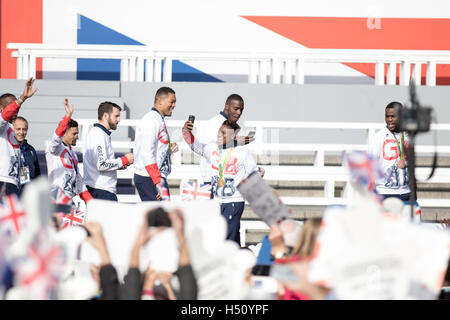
(195, 191)
(74, 218)
(40, 271)
(163, 189)
(12, 215)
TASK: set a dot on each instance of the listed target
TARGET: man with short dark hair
(9, 146)
(99, 163)
(389, 146)
(29, 164)
(230, 164)
(153, 148)
(62, 162)
(232, 111)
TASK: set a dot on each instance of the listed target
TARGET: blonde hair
(307, 238)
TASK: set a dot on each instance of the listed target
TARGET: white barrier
(144, 63)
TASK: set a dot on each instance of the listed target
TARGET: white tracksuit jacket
(239, 165)
(99, 165)
(152, 147)
(62, 165)
(209, 135)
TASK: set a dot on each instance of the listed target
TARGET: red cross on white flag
(12, 215)
(40, 271)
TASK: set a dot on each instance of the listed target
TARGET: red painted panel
(20, 21)
(361, 33)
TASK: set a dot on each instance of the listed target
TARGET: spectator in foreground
(146, 287)
(298, 260)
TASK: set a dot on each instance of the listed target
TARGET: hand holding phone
(189, 124)
(250, 137)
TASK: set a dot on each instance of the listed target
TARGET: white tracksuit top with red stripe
(151, 149)
(99, 164)
(239, 164)
(62, 165)
(9, 147)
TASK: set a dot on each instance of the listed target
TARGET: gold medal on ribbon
(221, 182)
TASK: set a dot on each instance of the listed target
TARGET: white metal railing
(144, 63)
(272, 148)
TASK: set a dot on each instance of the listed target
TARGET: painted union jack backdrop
(192, 190)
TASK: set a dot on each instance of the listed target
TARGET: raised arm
(109, 282)
(13, 108)
(61, 129)
(131, 289)
(195, 145)
(188, 282)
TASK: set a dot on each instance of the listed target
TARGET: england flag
(42, 268)
(12, 215)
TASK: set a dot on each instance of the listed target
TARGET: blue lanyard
(154, 109)
(22, 155)
(75, 166)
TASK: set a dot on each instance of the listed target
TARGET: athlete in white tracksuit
(10, 170)
(62, 161)
(153, 148)
(209, 135)
(389, 146)
(232, 111)
(99, 162)
(230, 164)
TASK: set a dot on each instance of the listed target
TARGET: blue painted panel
(92, 32)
